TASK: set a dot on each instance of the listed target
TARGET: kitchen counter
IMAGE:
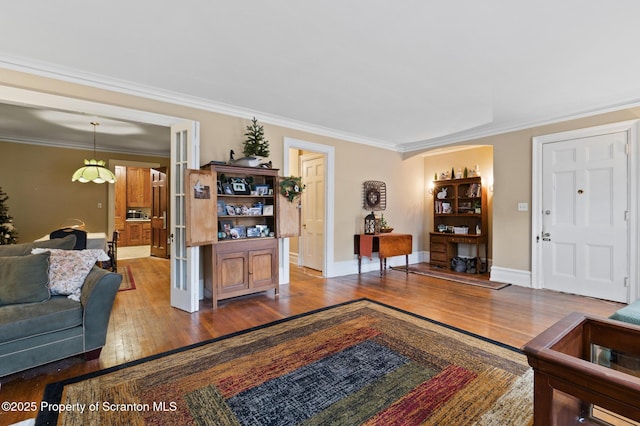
(138, 220)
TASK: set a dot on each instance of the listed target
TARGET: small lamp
(370, 224)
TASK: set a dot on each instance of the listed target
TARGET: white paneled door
(585, 226)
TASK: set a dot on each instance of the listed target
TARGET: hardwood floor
(142, 322)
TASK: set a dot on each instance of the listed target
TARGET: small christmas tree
(256, 144)
(8, 234)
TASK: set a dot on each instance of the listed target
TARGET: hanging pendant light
(94, 170)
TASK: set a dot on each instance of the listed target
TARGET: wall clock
(374, 195)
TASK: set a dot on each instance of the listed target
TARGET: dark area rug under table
(356, 363)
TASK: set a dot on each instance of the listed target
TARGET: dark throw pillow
(24, 279)
(66, 243)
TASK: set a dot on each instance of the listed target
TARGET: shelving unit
(459, 217)
(241, 249)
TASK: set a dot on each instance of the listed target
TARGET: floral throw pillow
(69, 268)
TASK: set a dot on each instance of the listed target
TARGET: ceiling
(75, 130)
(404, 75)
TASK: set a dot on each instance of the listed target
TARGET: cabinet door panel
(263, 263)
(232, 272)
(134, 234)
(200, 202)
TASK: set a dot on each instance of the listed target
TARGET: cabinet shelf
(243, 216)
(229, 241)
(245, 196)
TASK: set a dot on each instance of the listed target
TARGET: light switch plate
(523, 207)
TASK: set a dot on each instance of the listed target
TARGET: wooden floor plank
(142, 322)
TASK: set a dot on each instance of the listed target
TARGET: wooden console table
(582, 364)
(386, 245)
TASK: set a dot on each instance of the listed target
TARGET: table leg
(381, 265)
(359, 264)
(406, 262)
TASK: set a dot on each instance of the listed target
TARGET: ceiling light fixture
(94, 170)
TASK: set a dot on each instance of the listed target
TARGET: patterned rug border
(129, 276)
(53, 391)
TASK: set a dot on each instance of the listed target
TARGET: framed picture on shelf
(253, 232)
(267, 210)
(222, 208)
(240, 188)
(262, 189)
(225, 226)
(255, 211)
(220, 191)
(239, 231)
(227, 189)
(231, 210)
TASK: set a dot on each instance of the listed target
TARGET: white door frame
(329, 205)
(631, 127)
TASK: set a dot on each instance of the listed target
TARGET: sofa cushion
(24, 279)
(66, 243)
(630, 313)
(69, 268)
(31, 319)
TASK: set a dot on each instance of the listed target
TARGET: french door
(185, 152)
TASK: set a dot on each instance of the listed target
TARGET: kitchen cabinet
(235, 213)
(146, 232)
(138, 187)
(137, 233)
(134, 233)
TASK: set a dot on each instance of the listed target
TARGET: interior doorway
(118, 208)
(294, 150)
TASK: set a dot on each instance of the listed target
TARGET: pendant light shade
(94, 170)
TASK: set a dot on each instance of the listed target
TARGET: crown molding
(49, 143)
(75, 76)
(412, 147)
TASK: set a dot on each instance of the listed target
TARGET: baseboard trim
(349, 267)
(511, 276)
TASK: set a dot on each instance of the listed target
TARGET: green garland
(291, 187)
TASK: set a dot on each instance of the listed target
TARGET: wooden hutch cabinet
(459, 217)
(237, 213)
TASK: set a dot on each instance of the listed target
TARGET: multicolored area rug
(356, 363)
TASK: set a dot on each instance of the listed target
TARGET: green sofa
(50, 327)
